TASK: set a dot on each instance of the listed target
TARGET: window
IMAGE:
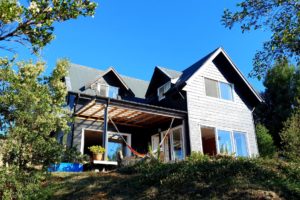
(218, 89)
(228, 142)
(162, 90)
(211, 88)
(113, 92)
(240, 144)
(225, 91)
(224, 140)
(177, 144)
(115, 144)
(108, 91)
(208, 140)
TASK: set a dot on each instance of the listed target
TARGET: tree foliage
(281, 17)
(33, 106)
(34, 23)
(290, 137)
(265, 142)
(281, 97)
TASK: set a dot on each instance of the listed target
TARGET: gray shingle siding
(188, 93)
(214, 112)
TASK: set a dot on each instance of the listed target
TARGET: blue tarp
(66, 167)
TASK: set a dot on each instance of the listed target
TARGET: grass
(197, 178)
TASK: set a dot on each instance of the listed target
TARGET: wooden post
(105, 134)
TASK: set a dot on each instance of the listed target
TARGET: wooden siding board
(203, 110)
(84, 124)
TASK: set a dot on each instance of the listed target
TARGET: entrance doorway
(115, 143)
(208, 140)
(173, 145)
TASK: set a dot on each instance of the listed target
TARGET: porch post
(105, 134)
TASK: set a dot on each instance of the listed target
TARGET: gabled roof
(170, 73)
(79, 76)
(188, 73)
(159, 77)
(110, 69)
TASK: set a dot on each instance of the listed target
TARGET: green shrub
(197, 157)
(265, 142)
(290, 137)
(17, 184)
(74, 156)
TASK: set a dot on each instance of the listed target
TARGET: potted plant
(97, 151)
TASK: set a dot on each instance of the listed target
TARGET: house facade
(205, 108)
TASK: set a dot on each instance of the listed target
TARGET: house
(206, 108)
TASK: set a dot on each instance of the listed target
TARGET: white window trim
(163, 86)
(182, 142)
(219, 90)
(107, 88)
(128, 135)
(162, 134)
(247, 141)
(207, 126)
(231, 138)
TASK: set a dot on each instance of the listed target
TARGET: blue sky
(135, 36)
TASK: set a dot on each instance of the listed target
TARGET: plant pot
(98, 156)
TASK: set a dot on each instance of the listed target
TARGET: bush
(290, 137)
(74, 156)
(17, 184)
(265, 142)
(221, 177)
(197, 157)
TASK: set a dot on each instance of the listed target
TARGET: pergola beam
(128, 119)
(98, 110)
(85, 108)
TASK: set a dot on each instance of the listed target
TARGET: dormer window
(108, 91)
(162, 90)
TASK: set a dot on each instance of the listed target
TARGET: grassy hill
(198, 178)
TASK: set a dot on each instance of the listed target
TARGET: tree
(33, 106)
(34, 24)
(281, 97)
(281, 17)
(265, 142)
(290, 136)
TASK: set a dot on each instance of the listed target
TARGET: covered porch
(142, 126)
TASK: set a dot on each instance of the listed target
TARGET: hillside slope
(197, 178)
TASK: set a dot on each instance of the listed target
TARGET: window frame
(107, 90)
(220, 94)
(164, 90)
(231, 139)
(233, 144)
(219, 90)
(246, 140)
(181, 128)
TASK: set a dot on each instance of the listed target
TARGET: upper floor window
(108, 91)
(218, 89)
(162, 90)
